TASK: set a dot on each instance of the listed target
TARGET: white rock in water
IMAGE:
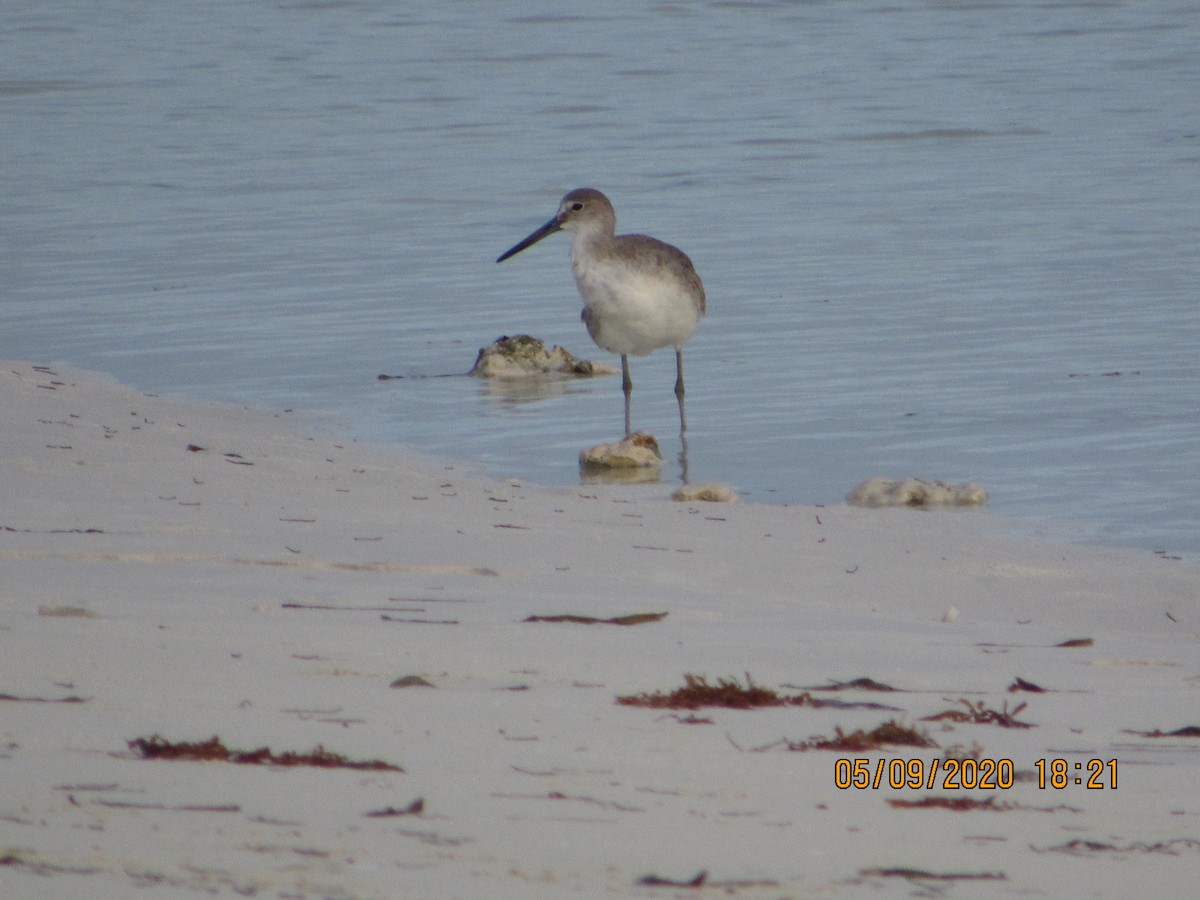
(639, 450)
(709, 493)
(880, 491)
(522, 356)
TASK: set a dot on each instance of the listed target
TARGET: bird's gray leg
(679, 390)
(683, 456)
(627, 388)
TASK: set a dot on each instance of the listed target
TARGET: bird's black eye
(577, 206)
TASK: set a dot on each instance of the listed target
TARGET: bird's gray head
(582, 208)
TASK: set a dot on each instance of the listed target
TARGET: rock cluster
(879, 491)
(638, 450)
(522, 356)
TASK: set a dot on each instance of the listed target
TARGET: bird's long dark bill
(545, 231)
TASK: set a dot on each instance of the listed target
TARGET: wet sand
(186, 571)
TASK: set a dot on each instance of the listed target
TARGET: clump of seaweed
(1185, 731)
(977, 713)
(1082, 847)
(697, 692)
(970, 804)
(701, 880)
(413, 809)
(955, 804)
(855, 684)
(633, 619)
(156, 747)
(890, 732)
(1020, 684)
(925, 875)
(657, 881)
(15, 699)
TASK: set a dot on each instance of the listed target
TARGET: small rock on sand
(880, 491)
(709, 493)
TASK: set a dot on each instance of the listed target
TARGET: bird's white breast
(633, 308)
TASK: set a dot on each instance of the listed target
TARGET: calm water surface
(951, 240)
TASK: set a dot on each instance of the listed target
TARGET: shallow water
(951, 240)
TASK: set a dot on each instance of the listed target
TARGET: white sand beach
(186, 571)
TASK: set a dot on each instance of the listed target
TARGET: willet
(639, 294)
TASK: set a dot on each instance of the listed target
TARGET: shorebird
(639, 294)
